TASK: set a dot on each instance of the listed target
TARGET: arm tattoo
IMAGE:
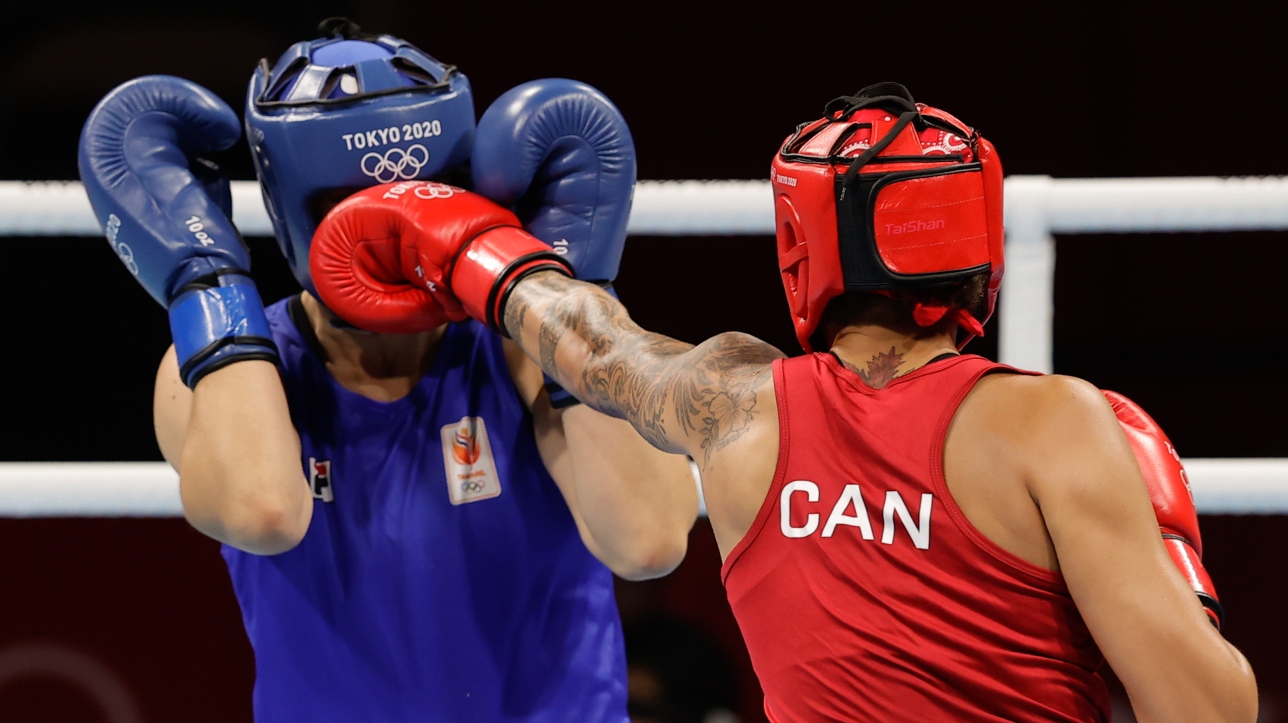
(716, 398)
(515, 314)
(672, 392)
(547, 341)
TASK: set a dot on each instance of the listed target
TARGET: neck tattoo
(882, 368)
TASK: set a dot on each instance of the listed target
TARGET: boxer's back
(861, 566)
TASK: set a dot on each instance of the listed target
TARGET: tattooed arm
(682, 398)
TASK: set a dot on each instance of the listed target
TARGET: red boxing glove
(406, 257)
(1169, 490)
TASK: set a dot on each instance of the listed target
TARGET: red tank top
(862, 591)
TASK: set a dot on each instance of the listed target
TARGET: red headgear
(883, 193)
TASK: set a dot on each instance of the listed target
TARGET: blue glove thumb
(560, 154)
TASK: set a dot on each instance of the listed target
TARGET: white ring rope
(735, 208)
(660, 208)
(1037, 207)
(151, 489)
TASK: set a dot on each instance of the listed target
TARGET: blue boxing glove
(559, 153)
(167, 213)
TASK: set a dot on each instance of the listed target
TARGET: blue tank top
(442, 577)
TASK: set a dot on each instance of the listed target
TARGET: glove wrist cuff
(1187, 560)
(217, 325)
(560, 398)
(490, 265)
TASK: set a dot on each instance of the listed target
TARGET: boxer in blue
(418, 525)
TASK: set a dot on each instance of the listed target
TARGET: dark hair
(342, 27)
(856, 307)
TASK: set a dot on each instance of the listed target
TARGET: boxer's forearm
(237, 455)
(680, 397)
(584, 338)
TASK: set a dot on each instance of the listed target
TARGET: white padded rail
(151, 489)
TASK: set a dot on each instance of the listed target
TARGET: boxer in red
(909, 533)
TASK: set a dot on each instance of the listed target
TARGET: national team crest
(470, 466)
(320, 479)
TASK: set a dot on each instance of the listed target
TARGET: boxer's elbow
(256, 516)
(654, 555)
(271, 526)
(656, 541)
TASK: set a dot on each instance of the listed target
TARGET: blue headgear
(344, 112)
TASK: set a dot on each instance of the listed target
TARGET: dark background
(1189, 325)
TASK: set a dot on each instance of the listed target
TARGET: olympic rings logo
(470, 486)
(395, 163)
(430, 191)
(127, 257)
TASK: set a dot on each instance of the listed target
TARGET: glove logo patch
(468, 460)
(123, 250)
(197, 229)
(430, 191)
(395, 163)
(112, 227)
(424, 190)
(1185, 479)
(420, 273)
(127, 257)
